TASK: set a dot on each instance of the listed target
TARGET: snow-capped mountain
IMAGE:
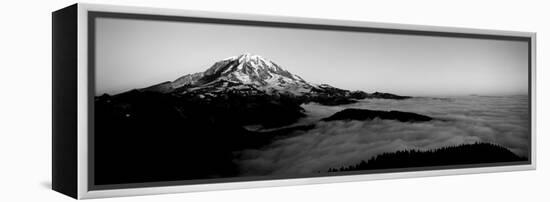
(244, 72)
(249, 75)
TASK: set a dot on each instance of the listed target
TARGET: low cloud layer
(500, 120)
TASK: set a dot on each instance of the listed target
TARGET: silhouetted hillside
(365, 114)
(454, 155)
(387, 96)
(148, 136)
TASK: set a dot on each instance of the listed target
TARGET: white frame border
(82, 107)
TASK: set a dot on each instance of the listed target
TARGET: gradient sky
(139, 53)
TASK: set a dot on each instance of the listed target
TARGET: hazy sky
(139, 53)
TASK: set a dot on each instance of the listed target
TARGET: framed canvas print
(149, 101)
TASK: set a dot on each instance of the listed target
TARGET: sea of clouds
(460, 120)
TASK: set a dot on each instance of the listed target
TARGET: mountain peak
(249, 74)
(252, 61)
(247, 69)
(245, 57)
(249, 56)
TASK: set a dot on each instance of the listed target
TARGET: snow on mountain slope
(247, 71)
(253, 77)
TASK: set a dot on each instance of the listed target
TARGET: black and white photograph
(275, 101)
(191, 101)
